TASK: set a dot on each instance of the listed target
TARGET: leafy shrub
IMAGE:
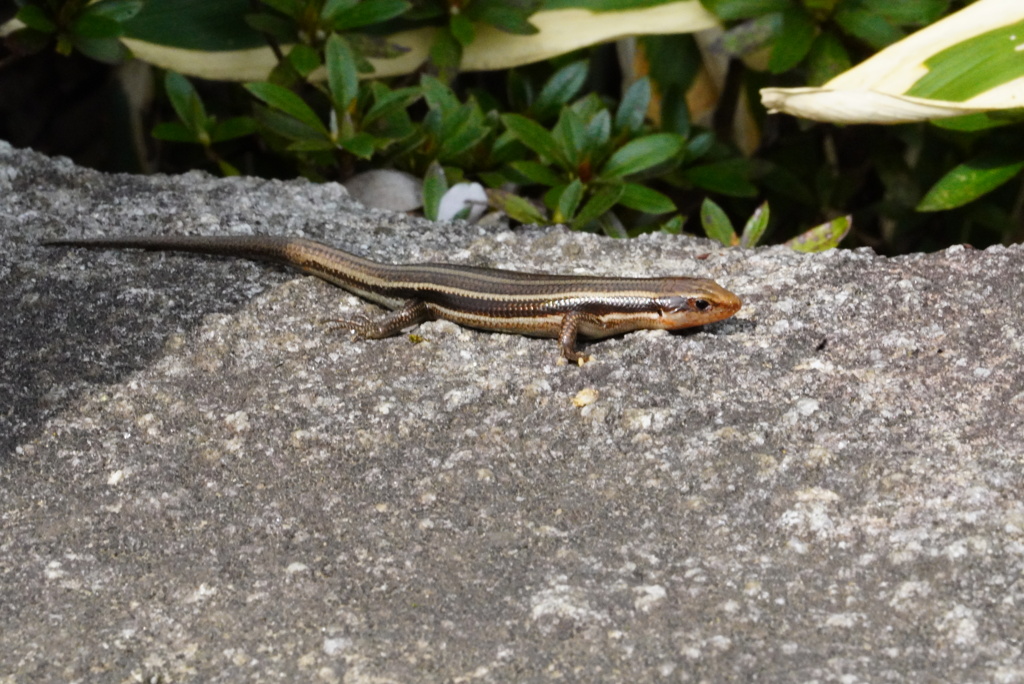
(554, 142)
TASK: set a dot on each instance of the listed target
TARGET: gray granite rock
(201, 481)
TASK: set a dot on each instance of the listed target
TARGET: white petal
(460, 196)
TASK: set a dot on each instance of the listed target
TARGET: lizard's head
(687, 302)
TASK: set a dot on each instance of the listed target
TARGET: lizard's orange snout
(724, 305)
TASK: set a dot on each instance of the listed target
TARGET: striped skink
(560, 306)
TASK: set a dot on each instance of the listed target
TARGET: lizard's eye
(700, 304)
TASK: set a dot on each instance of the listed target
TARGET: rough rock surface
(200, 481)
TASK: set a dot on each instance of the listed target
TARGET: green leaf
(304, 59)
(446, 55)
(291, 8)
(312, 145)
(699, 145)
(642, 198)
(588, 106)
(511, 17)
(518, 208)
(751, 36)
(493, 179)
(204, 25)
(108, 50)
(186, 103)
(435, 184)
(731, 10)
(35, 17)
(406, 145)
(603, 200)
(394, 129)
(642, 154)
(227, 169)
(569, 201)
(174, 131)
(535, 172)
(235, 127)
(872, 28)
(462, 28)
(970, 180)
(570, 137)
(716, 224)
(920, 12)
(438, 95)
(118, 10)
(756, 225)
(93, 25)
(632, 111)
(365, 13)
(507, 148)
(610, 225)
(981, 120)
(534, 136)
(674, 226)
(563, 86)
(284, 74)
(273, 25)
(820, 238)
(342, 76)
(793, 42)
(433, 125)
(330, 10)
(388, 102)
(288, 126)
(289, 103)
(597, 133)
(365, 46)
(826, 60)
(550, 198)
(459, 130)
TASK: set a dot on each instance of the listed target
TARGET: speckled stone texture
(200, 481)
